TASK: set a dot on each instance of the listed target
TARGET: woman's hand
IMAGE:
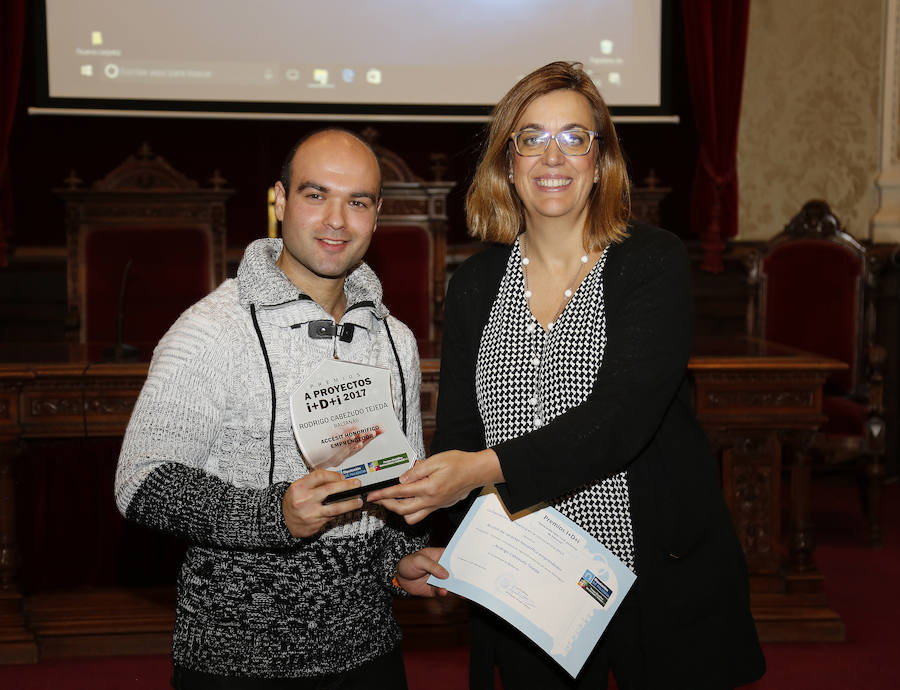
(438, 482)
(413, 572)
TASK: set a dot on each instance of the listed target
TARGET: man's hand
(304, 512)
(438, 482)
(413, 571)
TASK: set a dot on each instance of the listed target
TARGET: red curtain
(12, 36)
(715, 33)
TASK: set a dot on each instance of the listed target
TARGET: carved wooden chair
(813, 288)
(409, 248)
(144, 243)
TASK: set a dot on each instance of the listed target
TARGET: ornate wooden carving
(411, 201)
(752, 510)
(816, 219)
(645, 199)
(144, 171)
(751, 485)
(761, 399)
(49, 407)
(393, 167)
(145, 191)
(404, 207)
(153, 212)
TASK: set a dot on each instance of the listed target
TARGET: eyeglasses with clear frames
(572, 142)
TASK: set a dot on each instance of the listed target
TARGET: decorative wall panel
(810, 115)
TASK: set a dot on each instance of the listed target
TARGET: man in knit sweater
(279, 589)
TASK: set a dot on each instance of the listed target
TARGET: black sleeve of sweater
(649, 328)
(202, 509)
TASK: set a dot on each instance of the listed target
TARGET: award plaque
(343, 420)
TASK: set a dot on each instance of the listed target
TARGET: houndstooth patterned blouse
(525, 377)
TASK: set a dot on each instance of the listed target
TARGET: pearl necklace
(566, 295)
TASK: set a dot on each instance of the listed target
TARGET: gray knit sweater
(196, 460)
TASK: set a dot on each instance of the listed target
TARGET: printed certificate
(344, 420)
(541, 572)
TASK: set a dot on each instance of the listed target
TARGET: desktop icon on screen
(373, 76)
(87, 70)
(348, 75)
(96, 38)
(320, 76)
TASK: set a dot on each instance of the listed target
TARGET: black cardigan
(692, 579)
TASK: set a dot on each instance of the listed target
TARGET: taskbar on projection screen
(304, 111)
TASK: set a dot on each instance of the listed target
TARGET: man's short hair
(289, 159)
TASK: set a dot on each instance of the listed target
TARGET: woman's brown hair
(494, 211)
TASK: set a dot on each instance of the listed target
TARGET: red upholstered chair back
(813, 301)
(170, 230)
(812, 280)
(402, 256)
(815, 287)
(170, 270)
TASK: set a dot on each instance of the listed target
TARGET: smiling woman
(554, 186)
(564, 380)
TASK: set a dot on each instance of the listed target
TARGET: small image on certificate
(343, 420)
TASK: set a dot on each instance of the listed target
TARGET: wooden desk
(56, 393)
(753, 399)
(760, 405)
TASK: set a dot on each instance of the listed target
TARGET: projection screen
(393, 59)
